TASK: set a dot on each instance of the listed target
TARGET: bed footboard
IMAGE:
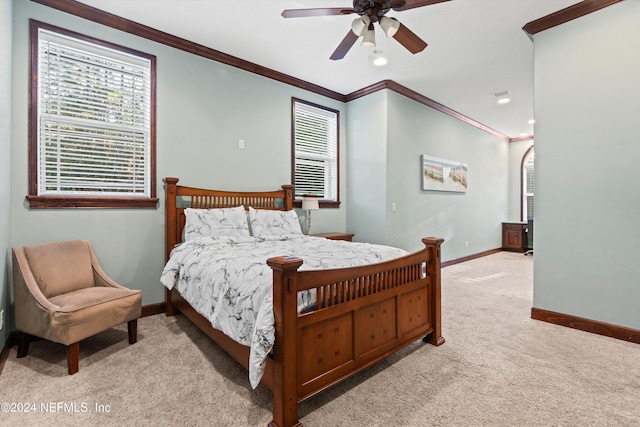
(363, 314)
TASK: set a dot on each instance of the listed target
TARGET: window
(315, 152)
(92, 122)
(527, 184)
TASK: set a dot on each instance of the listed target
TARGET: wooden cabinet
(514, 236)
(336, 236)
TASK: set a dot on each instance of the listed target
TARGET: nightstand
(335, 236)
(514, 236)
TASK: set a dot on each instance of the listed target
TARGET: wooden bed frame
(364, 313)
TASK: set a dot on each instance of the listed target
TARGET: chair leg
(23, 344)
(132, 327)
(73, 354)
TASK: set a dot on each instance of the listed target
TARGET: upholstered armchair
(62, 295)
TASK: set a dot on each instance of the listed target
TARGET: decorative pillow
(266, 222)
(220, 222)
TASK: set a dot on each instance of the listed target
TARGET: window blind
(529, 174)
(316, 151)
(94, 119)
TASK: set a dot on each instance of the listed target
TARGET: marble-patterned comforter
(227, 280)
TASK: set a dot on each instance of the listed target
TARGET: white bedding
(227, 280)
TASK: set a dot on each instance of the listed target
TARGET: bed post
(285, 353)
(288, 197)
(170, 234)
(433, 271)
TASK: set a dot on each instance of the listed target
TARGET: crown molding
(421, 99)
(90, 13)
(565, 15)
(521, 138)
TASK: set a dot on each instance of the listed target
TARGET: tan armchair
(63, 295)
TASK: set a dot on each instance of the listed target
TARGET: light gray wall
(5, 164)
(473, 217)
(366, 174)
(392, 128)
(587, 104)
(203, 108)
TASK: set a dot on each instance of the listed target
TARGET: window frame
(523, 184)
(323, 203)
(37, 201)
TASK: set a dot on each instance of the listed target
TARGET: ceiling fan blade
(344, 46)
(321, 11)
(412, 4)
(408, 39)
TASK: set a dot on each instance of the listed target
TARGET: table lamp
(309, 203)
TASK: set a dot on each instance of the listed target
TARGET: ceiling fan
(370, 11)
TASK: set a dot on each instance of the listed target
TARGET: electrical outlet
(466, 244)
(241, 144)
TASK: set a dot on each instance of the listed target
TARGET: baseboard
(470, 257)
(587, 325)
(153, 309)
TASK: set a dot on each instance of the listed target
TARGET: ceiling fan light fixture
(360, 25)
(389, 25)
(380, 61)
(370, 12)
(378, 58)
(369, 39)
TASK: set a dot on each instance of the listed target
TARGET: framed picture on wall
(443, 175)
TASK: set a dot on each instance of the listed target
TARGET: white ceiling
(476, 47)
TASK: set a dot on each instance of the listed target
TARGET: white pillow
(220, 222)
(266, 222)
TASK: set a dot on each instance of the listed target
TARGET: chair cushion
(86, 312)
(60, 267)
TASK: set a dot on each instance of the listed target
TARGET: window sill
(49, 202)
(322, 203)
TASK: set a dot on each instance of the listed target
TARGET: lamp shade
(310, 202)
(359, 25)
(369, 38)
(389, 25)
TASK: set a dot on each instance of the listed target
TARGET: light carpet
(498, 367)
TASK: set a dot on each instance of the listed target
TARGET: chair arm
(33, 311)
(100, 278)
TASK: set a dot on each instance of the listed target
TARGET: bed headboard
(178, 197)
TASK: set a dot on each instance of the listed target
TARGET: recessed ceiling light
(502, 97)
(531, 121)
(524, 134)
